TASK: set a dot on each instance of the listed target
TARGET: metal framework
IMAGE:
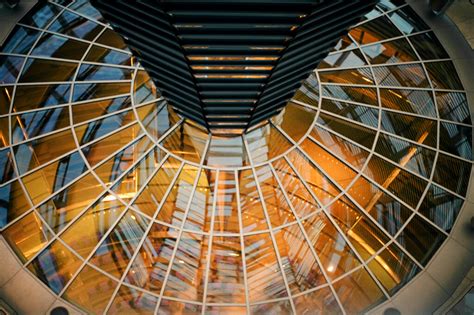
(230, 65)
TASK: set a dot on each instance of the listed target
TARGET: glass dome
(119, 205)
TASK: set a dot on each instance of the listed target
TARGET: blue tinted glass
(60, 47)
(75, 25)
(6, 166)
(104, 126)
(21, 40)
(36, 123)
(92, 72)
(29, 97)
(69, 168)
(42, 17)
(9, 68)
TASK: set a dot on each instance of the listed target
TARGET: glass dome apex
(119, 205)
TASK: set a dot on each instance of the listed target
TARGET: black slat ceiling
(229, 65)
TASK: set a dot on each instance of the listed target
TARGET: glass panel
(187, 275)
(365, 236)
(375, 30)
(85, 233)
(99, 73)
(149, 267)
(84, 7)
(334, 253)
(386, 210)
(129, 184)
(408, 155)
(279, 212)
(40, 70)
(120, 162)
(410, 101)
(90, 290)
(321, 301)
(407, 20)
(456, 139)
(253, 218)
(37, 123)
(55, 266)
(293, 112)
(99, 128)
(56, 46)
(264, 278)
(453, 106)
(336, 170)
(27, 236)
(112, 39)
(37, 152)
(144, 89)
(441, 207)
(4, 132)
(393, 268)
(354, 94)
(345, 42)
(420, 239)
(402, 184)
(395, 51)
(29, 97)
(13, 202)
(309, 91)
(345, 150)
(420, 130)
(10, 68)
(226, 152)
(358, 292)
(362, 114)
(357, 133)
(92, 110)
(132, 301)
(105, 55)
(20, 40)
(411, 75)
(74, 25)
(443, 75)
(226, 217)
(200, 210)
(452, 173)
(300, 267)
(388, 5)
(100, 150)
(265, 143)
(226, 310)
(6, 93)
(49, 179)
(187, 142)
(302, 201)
(6, 166)
(66, 205)
(350, 76)
(154, 193)
(282, 307)
(321, 186)
(115, 252)
(89, 91)
(173, 209)
(225, 283)
(157, 118)
(347, 59)
(42, 17)
(169, 307)
(428, 46)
